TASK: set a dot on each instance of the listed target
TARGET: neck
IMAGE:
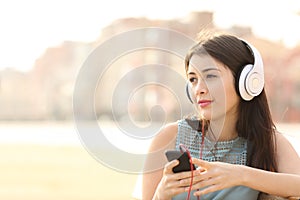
(223, 129)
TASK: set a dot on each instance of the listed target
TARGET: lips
(204, 103)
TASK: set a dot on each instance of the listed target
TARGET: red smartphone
(184, 161)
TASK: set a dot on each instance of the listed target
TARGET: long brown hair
(254, 118)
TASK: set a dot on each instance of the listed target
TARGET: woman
(238, 152)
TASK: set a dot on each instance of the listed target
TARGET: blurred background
(44, 45)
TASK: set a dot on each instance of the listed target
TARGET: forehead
(203, 62)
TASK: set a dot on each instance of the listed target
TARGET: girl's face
(212, 88)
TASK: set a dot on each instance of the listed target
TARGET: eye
(192, 79)
(210, 76)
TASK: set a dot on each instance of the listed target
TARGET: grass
(34, 172)
(64, 172)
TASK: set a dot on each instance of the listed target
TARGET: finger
(207, 190)
(200, 169)
(188, 174)
(197, 176)
(201, 163)
(169, 166)
(204, 183)
(210, 185)
(183, 179)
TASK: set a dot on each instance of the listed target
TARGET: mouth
(204, 103)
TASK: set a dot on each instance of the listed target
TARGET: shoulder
(282, 142)
(287, 156)
(166, 137)
(167, 132)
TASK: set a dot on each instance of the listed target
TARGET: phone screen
(184, 161)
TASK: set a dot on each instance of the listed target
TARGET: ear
(187, 90)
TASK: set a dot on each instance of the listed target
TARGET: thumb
(169, 166)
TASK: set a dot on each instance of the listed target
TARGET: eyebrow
(205, 70)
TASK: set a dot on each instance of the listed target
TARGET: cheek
(217, 91)
(232, 97)
(228, 86)
(224, 95)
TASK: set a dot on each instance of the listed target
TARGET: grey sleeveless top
(233, 151)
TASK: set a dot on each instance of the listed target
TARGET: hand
(216, 176)
(172, 183)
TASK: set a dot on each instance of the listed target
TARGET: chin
(205, 115)
(209, 116)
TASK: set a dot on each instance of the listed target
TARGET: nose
(201, 87)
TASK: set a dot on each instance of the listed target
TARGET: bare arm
(286, 183)
(159, 181)
(156, 160)
(279, 184)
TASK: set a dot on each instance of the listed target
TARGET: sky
(28, 27)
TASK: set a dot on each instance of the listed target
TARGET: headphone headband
(251, 80)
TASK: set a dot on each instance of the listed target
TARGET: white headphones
(251, 80)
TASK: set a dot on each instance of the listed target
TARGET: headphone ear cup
(251, 80)
(254, 83)
(243, 83)
(187, 90)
